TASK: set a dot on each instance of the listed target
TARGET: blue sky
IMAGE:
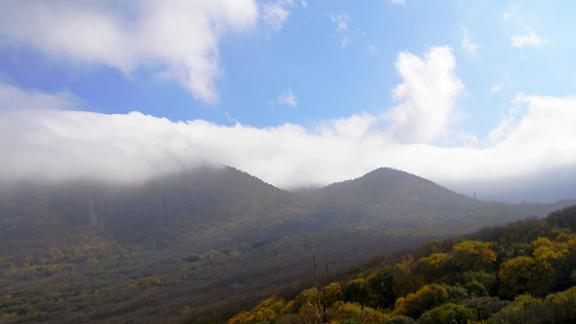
(305, 56)
(310, 64)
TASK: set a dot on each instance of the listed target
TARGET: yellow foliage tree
(473, 256)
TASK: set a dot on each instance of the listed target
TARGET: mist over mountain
(186, 237)
(545, 186)
(185, 201)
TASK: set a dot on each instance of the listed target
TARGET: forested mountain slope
(201, 241)
(524, 272)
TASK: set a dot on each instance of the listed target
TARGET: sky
(479, 96)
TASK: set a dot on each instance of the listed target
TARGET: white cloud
(468, 44)
(536, 138)
(398, 2)
(132, 147)
(496, 88)
(526, 39)
(288, 99)
(179, 38)
(427, 95)
(340, 21)
(275, 13)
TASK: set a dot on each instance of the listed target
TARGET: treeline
(524, 272)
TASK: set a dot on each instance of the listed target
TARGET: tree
(332, 293)
(473, 256)
(424, 299)
(485, 306)
(381, 288)
(404, 276)
(267, 311)
(433, 267)
(354, 313)
(356, 291)
(525, 275)
(448, 314)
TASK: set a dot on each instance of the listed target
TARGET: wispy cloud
(528, 38)
(496, 88)
(288, 99)
(398, 2)
(468, 44)
(341, 23)
(275, 13)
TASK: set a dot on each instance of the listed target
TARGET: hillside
(195, 201)
(521, 273)
(208, 239)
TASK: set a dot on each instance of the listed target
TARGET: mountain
(190, 201)
(385, 186)
(186, 244)
(394, 198)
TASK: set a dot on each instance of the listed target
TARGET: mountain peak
(386, 171)
(386, 185)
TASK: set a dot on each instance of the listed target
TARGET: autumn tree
(448, 314)
(525, 275)
(473, 256)
(424, 299)
(433, 267)
(405, 276)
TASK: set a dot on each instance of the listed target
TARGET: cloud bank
(177, 38)
(41, 138)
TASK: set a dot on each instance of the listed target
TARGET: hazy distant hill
(396, 198)
(388, 186)
(187, 243)
(189, 201)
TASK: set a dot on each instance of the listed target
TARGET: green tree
(425, 298)
(485, 306)
(405, 277)
(433, 267)
(448, 314)
(356, 291)
(332, 293)
(381, 287)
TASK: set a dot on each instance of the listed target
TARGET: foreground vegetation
(522, 273)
